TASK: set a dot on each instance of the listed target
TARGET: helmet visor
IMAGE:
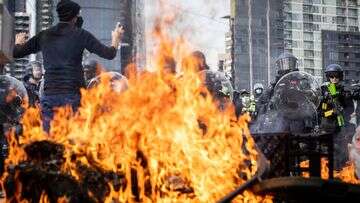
(286, 64)
(258, 91)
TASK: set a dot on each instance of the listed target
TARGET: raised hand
(117, 35)
(20, 38)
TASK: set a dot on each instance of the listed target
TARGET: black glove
(356, 94)
(326, 96)
(79, 22)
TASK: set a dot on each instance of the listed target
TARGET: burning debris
(42, 174)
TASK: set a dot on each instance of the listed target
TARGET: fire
(347, 174)
(162, 132)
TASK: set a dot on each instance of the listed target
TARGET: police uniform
(335, 99)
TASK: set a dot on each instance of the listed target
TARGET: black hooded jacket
(62, 47)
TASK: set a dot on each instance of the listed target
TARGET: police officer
(248, 102)
(258, 90)
(333, 100)
(336, 99)
(62, 47)
(285, 63)
(32, 82)
(91, 70)
(269, 121)
(219, 87)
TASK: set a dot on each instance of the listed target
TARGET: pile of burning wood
(41, 174)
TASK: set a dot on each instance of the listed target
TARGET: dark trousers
(49, 102)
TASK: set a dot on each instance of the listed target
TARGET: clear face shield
(286, 64)
(258, 91)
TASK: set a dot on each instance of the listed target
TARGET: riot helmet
(90, 69)
(334, 70)
(90, 64)
(244, 92)
(118, 82)
(286, 63)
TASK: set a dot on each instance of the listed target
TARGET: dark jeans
(48, 103)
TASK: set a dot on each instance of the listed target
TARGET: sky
(204, 20)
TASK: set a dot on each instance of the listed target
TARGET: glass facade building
(258, 41)
(342, 48)
(303, 25)
(266, 28)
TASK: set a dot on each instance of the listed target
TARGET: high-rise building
(23, 19)
(304, 21)
(6, 33)
(44, 14)
(22, 23)
(19, 5)
(263, 27)
(258, 41)
(227, 59)
(342, 48)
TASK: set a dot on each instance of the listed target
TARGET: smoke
(198, 22)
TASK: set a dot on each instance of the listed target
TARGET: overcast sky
(203, 18)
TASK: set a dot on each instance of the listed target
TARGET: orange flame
(347, 174)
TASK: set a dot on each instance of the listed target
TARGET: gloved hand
(338, 110)
(327, 96)
(356, 93)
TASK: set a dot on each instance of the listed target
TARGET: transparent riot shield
(292, 107)
(296, 98)
(12, 97)
(118, 82)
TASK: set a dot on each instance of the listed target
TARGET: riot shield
(12, 97)
(292, 107)
(297, 96)
(118, 82)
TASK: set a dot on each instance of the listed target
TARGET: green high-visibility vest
(333, 92)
